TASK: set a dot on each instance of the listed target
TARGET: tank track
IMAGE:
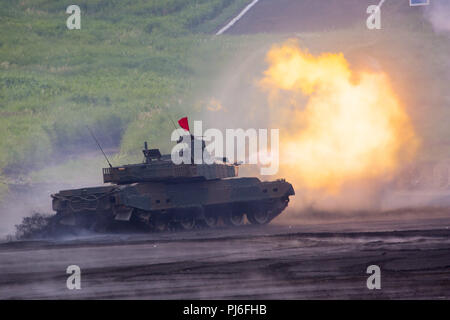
(213, 216)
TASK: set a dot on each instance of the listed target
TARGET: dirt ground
(313, 261)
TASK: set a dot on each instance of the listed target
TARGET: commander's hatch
(151, 154)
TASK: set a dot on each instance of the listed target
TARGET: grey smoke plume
(438, 13)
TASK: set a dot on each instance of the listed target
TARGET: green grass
(123, 74)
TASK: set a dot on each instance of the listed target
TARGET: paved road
(289, 16)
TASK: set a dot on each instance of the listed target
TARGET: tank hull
(160, 205)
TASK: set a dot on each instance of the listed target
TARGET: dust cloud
(32, 194)
(236, 100)
(438, 13)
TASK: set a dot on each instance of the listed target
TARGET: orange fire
(338, 125)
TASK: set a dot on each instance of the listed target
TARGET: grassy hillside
(129, 61)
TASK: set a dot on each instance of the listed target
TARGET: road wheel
(101, 222)
(56, 228)
(160, 224)
(234, 219)
(188, 222)
(210, 220)
(258, 217)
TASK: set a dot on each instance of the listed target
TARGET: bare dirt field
(320, 261)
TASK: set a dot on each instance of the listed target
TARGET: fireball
(340, 125)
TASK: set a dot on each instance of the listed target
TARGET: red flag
(183, 122)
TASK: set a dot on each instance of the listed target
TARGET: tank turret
(157, 167)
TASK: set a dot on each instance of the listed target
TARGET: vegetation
(129, 61)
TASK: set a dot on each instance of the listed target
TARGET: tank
(159, 195)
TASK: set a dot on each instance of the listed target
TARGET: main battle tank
(158, 195)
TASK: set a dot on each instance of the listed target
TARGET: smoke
(352, 126)
(331, 166)
(438, 13)
(33, 194)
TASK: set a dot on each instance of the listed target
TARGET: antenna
(98, 144)
(168, 116)
(172, 122)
